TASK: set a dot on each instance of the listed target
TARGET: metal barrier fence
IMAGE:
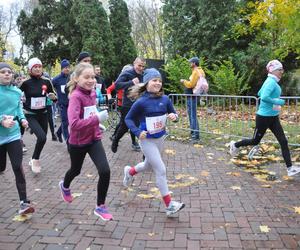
(233, 116)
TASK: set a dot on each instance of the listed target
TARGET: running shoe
(65, 192)
(102, 212)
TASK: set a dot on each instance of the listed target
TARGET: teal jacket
(269, 95)
(10, 104)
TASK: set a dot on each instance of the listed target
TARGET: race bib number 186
(156, 124)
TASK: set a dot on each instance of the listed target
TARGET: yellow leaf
(210, 154)
(76, 195)
(22, 218)
(266, 186)
(170, 151)
(198, 146)
(264, 229)
(146, 196)
(234, 173)
(151, 234)
(204, 173)
(297, 210)
(236, 187)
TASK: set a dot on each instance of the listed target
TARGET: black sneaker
(114, 146)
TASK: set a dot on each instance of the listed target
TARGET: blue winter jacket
(148, 106)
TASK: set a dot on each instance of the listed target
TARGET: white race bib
(38, 102)
(62, 89)
(98, 86)
(156, 124)
(89, 111)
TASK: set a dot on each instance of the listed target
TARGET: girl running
(152, 110)
(36, 90)
(85, 136)
(11, 117)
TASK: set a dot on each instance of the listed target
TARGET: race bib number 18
(156, 124)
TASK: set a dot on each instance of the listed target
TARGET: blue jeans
(192, 113)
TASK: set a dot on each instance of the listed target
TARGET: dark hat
(150, 74)
(194, 60)
(64, 63)
(5, 65)
(83, 55)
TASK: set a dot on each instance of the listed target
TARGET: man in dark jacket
(59, 82)
(125, 80)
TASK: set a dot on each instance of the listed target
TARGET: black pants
(14, 150)
(50, 118)
(273, 123)
(122, 127)
(38, 124)
(98, 156)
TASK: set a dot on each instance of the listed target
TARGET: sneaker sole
(29, 210)
(126, 186)
(171, 213)
(292, 174)
(102, 218)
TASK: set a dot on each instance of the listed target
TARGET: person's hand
(24, 123)
(135, 81)
(8, 121)
(172, 117)
(181, 80)
(102, 116)
(143, 135)
(52, 96)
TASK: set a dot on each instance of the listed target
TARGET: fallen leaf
(204, 173)
(264, 229)
(170, 151)
(22, 218)
(234, 173)
(146, 196)
(236, 187)
(151, 234)
(198, 146)
(266, 186)
(76, 195)
(297, 210)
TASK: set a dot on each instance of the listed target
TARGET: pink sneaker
(103, 213)
(65, 192)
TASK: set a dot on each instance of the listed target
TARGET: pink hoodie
(82, 131)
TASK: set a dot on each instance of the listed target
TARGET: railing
(233, 116)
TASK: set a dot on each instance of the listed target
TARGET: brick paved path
(215, 217)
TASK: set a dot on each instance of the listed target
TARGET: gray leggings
(152, 149)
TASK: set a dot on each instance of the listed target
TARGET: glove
(102, 116)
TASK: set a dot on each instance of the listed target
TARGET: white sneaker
(35, 166)
(127, 177)
(233, 150)
(174, 207)
(293, 170)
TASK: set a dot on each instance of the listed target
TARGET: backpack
(201, 86)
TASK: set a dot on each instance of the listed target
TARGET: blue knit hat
(194, 60)
(64, 63)
(150, 74)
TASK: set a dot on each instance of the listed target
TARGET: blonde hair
(138, 90)
(77, 72)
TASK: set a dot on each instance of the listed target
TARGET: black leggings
(38, 124)
(273, 123)
(14, 150)
(50, 118)
(98, 156)
(122, 127)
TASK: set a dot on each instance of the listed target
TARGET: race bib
(62, 89)
(156, 124)
(38, 102)
(89, 111)
(98, 86)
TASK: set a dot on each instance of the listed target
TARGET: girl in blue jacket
(11, 117)
(267, 116)
(152, 110)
